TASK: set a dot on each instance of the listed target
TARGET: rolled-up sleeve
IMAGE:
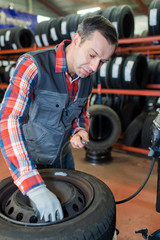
(14, 109)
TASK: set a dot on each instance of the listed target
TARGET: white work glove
(45, 204)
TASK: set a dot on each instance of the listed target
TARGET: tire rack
(145, 45)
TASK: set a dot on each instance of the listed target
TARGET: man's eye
(102, 62)
(92, 56)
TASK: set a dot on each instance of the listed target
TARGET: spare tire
(89, 203)
(105, 127)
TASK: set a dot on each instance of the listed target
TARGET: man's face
(89, 56)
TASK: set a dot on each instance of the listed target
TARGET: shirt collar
(61, 64)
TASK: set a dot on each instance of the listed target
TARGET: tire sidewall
(113, 118)
(97, 222)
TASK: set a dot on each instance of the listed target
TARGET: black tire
(105, 127)
(132, 135)
(152, 70)
(2, 92)
(97, 222)
(8, 71)
(133, 76)
(115, 78)
(102, 74)
(154, 18)
(37, 34)
(147, 129)
(123, 20)
(3, 37)
(45, 33)
(55, 29)
(65, 24)
(19, 37)
(108, 11)
(157, 77)
(55, 34)
(128, 113)
(108, 73)
(73, 24)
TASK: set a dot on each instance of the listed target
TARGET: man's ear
(76, 39)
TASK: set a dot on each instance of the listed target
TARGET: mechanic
(45, 106)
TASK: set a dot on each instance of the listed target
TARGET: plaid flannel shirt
(13, 111)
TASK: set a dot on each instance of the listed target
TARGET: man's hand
(45, 204)
(76, 140)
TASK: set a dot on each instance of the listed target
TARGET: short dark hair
(98, 23)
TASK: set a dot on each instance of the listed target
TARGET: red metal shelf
(13, 54)
(131, 149)
(3, 85)
(146, 50)
(141, 92)
(153, 86)
(147, 45)
(138, 40)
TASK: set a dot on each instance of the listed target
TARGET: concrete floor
(123, 175)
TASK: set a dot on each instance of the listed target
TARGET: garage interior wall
(29, 6)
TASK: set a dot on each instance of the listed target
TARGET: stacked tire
(14, 38)
(6, 72)
(55, 30)
(139, 131)
(125, 72)
(122, 18)
(154, 71)
(154, 18)
(48, 32)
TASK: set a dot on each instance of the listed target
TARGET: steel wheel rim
(74, 192)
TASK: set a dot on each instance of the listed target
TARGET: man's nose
(94, 65)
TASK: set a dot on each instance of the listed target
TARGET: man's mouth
(86, 72)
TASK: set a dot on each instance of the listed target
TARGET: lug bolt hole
(80, 199)
(19, 216)
(33, 219)
(11, 210)
(75, 208)
(8, 203)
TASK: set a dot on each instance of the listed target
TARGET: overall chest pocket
(49, 108)
(74, 110)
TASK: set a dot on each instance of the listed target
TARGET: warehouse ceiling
(65, 7)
